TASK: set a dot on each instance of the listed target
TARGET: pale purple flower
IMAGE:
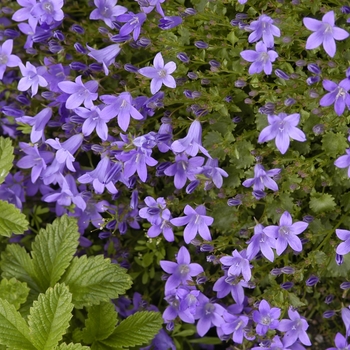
(325, 33)
(262, 58)
(213, 172)
(169, 22)
(25, 13)
(338, 95)
(48, 11)
(6, 57)
(180, 272)
(265, 29)
(345, 315)
(152, 212)
(163, 227)
(133, 23)
(79, 92)
(235, 325)
(344, 247)
(196, 221)
(151, 4)
(106, 56)
(275, 345)
(344, 161)
(295, 329)
(160, 73)
(340, 343)
(107, 10)
(266, 317)
(286, 233)
(230, 284)
(32, 78)
(262, 179)
(282, 128)
(238, 264)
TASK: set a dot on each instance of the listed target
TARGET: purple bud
(188, 93)
(205, 81)
(111, 225)
(329, 298)
(196, 242)
(190, 11)
(42, 36)
(289, 101)
(12, 112)
(279, 73)
(318, 129)
(240, 83)
(80, 48)
(345, 9)
(314, 68)
(196, 94)
(7, 10)
(308, 219)
(24, 100)
(206, 248)
(119, 38)
(48, 95)
(57, 34)
(313, 94)
(183, 57)
(313, 80)
(97, 148)
(103, 30)
(79, 66)
(104, 235)
(192, 186)
(311, 281)
(276, 272)
(347, 73)
(228, 98)
(130, 68)
(232, 202)
(300, 63)
(288, 270)
(192, 75)
(96, 67)
(259, 194)
(339, 259)
(345, 285)
(113, 173)
(11, 33)
(235, 22)
(201, 280)
(54, 46)
(143, 42)
(215, 63)
(287, 285)
(201, 44)
(236, 119)
(170, 326)
(328, 314)
(241, 15)
(169, 22)
(77, 29)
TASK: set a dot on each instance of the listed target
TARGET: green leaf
(295, 301)
(99, 346)
(72, 346)
(11, 220)
(14, 291)
(100, 323)
(49, 317)
(85, 276)
(334, 143)
(137, 329)
(14, 331)
(6, 157)
(53, 250)
(321, 202)
(16, 262)
(206, 340)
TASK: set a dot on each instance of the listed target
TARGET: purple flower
(235, 325)
(133, 24)
(184, 169)
(169, 22)
(151, 4)
(196, 221)
(286, 233)
(325, 33)
(48, 11)
(338, 94)
(213, 172)
(295, 329)
(344, 247)
(107, 10)
(238, 264)
(230, 284)
(25, 13)
(344, 161)
(266, 317)
(275, 345)
(345, 315)
(160, 73)
(262, 179)
(6, 57)
(261, 58)
(32, 77)
(340, 343)
(282, 127)
(106, 56)
(79, 92)
(180, 272)
(163, 227)
(263, 28)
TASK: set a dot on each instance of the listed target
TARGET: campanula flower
(106, 56)
(344, 247)
(133, 23)
(344, 161)
(238, 264)
(235, 325)
(266, 318)
(48, 11)
(107, 10)
(340, 343)
(262, 179)
(338, 95)
(32, 78)
(6, 57)
(169, 22)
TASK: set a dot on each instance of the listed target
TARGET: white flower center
(47, 6)
(162, 73)
(284, 230)
(184, 269)
(266, 320)
(3, 59)
(341, 93)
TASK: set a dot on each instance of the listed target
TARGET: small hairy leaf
(6, 157)
(14, 291)
(11, 220)
(86, 276)
(14, 331)
(49, 317)
(321, 202)
(100, 323)
(72, 346)
(53, 250)
(137, 329)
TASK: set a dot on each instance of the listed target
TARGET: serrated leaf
(334, 143)
(16, 262)
(295, 301)
(85, 276)
(321, 202)
(99, 346)
(11, 220)
(6, 157)
(137, 329)
(49, 317)
(14, 331)
(100, 323)
(14, 291)
(72, 346)
(53, 250)
(206, 340)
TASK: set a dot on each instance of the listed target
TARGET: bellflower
(325, 33)
(48, 11)
(238, 264)
(133, 23)
(32, 78)
(164, 227)
(6, 57)
(235, 325)
(261, 58)
(338, 94)
(79, 92)
(153, 210)
(340, 343)
(160, 73)
(106, 56)
(151, 4)
(275, 345)
(262, 179)
(107, 10)
(344, 161)
(213, 172)
(196, 221)
(265, 29)
(295, 329)
(169, 22)
(282, 127)
(344, 247)
(286, 233)
(25, 13)
(266, 317)
(181, 271)
(345, 315)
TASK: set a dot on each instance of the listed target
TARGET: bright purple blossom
(180, 272)
(163, 227)
(275, 345)
(106, 56)
(214, 173)
(265, 29)
(235, 325)
(153, 210)
(133, 23)
(169, 22)
(238, 264)
(266, 317)
(151, 5)
(338, 95)
(262, 58)
(282, 127)
(6, 57)
(344, 247)
(25, 13)
(286, 233)
(48, 11)
(295, 329)
(325, 33)
(340, 343)
(344, 161)
(107, 10)
(32, 78)
(262, 179)
(345, 315)
(196, 221)
(79, 92)
(160, 73)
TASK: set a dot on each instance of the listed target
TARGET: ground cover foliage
(174, 174)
